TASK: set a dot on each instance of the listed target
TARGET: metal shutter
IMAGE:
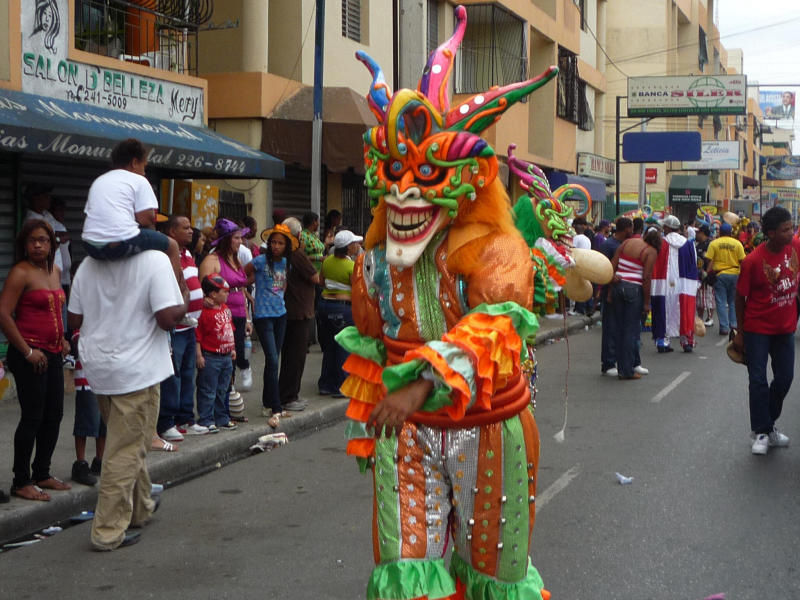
(8, 220)
(293, 193)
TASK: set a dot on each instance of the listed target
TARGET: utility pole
(316, 124)
(616, 147)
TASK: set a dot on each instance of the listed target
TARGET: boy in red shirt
(215, 355)
(766, 309)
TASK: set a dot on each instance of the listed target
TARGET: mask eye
(393, 170)
(430, 174)
(426, 170)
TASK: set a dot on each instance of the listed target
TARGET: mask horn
(482, 110)
(436, 74)
(379, 92)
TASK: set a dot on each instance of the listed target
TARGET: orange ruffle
(363, 367)
(359, 411)
(365, 391)
(363, 447)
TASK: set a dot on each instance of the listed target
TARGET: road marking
(722, 342)
(663, 393)
(555, 487)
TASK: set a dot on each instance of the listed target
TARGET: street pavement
(701, 515)
(195, 455)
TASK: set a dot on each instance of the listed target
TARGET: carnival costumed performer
(674, 289)
(441, 301)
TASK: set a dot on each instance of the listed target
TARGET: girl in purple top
(225, 261)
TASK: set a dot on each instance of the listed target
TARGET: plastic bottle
(248, 347)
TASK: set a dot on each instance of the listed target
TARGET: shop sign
(48, 71)
(715, 155)
(599, 167)
(690, 95)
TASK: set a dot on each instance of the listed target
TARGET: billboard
(690, 95)
(781, 167)
(715, 155)
(660, 146)
(777, 104)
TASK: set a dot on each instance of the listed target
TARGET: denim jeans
(766, 399)
(146, 239)
(627, 303)
(177, 391)
(332, 316)
(608, 352)
(213, 382)
(270, 332)
(725, 296)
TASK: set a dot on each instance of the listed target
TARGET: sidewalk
(195, 455)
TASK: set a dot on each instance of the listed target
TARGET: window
(702, 50)
(433, 26)
(581, 4)
(568, 86)
(351, 19)
(585, 120)
(717, 121)
(493, 51)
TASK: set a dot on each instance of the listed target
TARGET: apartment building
(261, 73)
(77, 76)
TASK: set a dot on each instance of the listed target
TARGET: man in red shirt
(766, 309)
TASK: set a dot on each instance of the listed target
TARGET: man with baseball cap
(674, 288)
(726, 253)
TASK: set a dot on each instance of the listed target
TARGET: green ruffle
(355, 430)
(525, 322)
(483, 587)
(367, 347)
(408, 579)
(400, 375)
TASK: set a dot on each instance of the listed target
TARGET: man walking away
(608, 354)
(125, 359)
(726, 254)
(766, 306)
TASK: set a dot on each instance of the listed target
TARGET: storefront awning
(595, 187)
(689, 188)
(37, 125)
(286, 133)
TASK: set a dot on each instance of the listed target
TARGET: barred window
(702, 50)
(581, 4)
(493, 51)
(568, 86)
(433, 26)
(351, 19)
(585, 119)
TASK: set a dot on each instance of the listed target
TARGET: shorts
(147, 239)
(87, 416)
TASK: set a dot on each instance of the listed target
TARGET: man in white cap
(674, 288)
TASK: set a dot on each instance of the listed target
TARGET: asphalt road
(701, 516)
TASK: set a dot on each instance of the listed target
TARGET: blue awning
(74, 130)
(595, 187)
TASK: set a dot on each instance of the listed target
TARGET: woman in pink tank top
(31, 306)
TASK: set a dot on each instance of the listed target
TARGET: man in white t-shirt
(121, 211)
(580, 240)
(124, 315)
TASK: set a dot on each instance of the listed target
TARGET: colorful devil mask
(424, 158)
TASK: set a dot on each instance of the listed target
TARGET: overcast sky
(768, 35)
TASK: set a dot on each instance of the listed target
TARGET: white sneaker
(641, 370)
(761, 444)
(172, 435)
(778, 440)
(612, 372)
(196, 429)
(246, 384)
(708, 322)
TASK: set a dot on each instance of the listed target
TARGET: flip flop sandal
(240, 419)
(38, 493)
(53, 483)
(164, 446)
(274, 421)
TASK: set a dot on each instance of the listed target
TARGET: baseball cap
(344, 238)
(725, 228)
(217, 281)
(671, 221)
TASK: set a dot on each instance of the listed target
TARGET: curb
(18, 521)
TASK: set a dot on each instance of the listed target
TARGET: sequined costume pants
(475, 485)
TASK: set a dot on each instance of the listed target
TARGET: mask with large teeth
(425, 159)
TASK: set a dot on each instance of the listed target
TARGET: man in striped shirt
(176, 415)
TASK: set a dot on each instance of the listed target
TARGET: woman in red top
(30, 316)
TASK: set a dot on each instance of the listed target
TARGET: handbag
(711, 278)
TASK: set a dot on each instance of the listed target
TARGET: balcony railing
(155, 33)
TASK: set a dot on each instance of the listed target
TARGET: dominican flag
(674, 289)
